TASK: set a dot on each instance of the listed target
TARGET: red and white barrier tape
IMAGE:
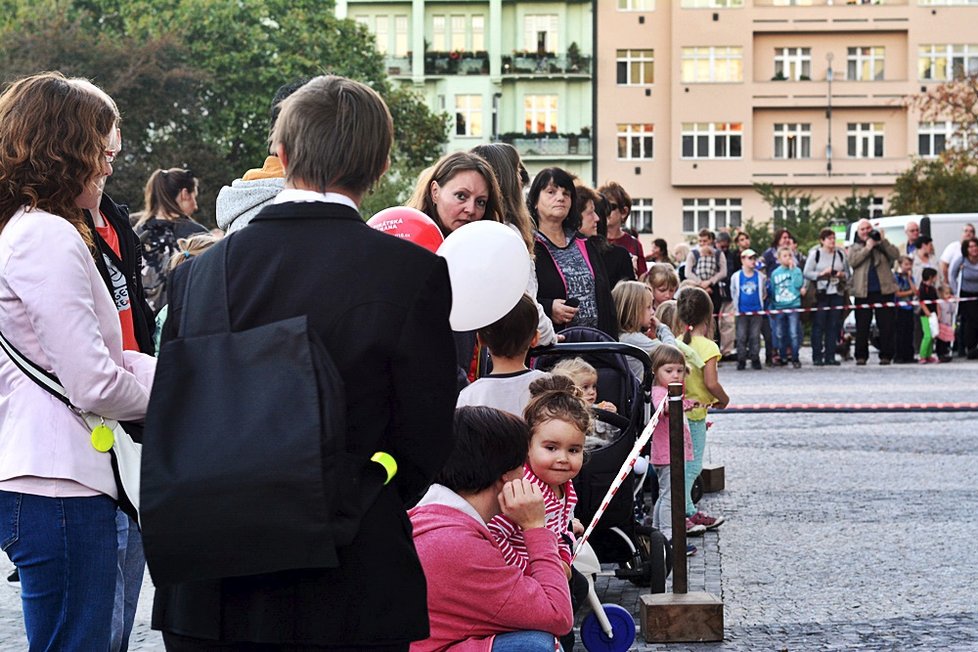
(755, 408)
(884, 304)
(626, 468)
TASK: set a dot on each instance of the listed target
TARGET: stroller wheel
(622, 630)
(651, 563)
(696, 492)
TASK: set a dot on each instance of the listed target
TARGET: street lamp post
(828, 114)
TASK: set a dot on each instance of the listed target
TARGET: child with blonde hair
(633, 304)
(664, 281)
(694, 319)
(585, 377)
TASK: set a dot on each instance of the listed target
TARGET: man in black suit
(380, 307)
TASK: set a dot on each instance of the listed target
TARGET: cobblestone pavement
(843, 532)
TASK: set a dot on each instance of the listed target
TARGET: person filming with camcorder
(872, 256)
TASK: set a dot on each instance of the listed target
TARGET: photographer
(872, 257)
(828, 270)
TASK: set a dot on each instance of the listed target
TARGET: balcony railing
(822, 3)
(547, 63)
(456, 63)
(399, 66)
(543, 146)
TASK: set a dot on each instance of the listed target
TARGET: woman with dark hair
(169, 200)
(573, 284)
(594, 225)
(483, 477)
(505, 162)
(58, 495)
(659, 253)
(782, 238)
(964, 281)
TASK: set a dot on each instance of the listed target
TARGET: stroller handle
(602, 347)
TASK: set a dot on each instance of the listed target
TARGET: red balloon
(410, 224)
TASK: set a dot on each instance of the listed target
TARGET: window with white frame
(540, 113)
(947, 61)
(540, 32)
(711, 213)
(478, 33)
(865, 63)
(933, 138)
(400, 35)
(793, 209)
(635, 141)
(793, 63)
(712, 139)
(457, 37)
(712, 4)
(636, 5)
(382, 33)
(793, 3)
(641, 215)
(636, 67)
(793, 140)
(439, 33)
(875, 208)
(715, 64)
(865, 139)
(468, 115)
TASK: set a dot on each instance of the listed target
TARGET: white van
(944, 228)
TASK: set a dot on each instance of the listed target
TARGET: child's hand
(607, 406)
(721, 404)
(804, 290)
(577, 527)
(522, 501)
(567, 570)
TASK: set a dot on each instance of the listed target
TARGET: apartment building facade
(697, 100)
(519, 72)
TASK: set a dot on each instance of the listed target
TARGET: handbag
(246, 469)
(118, 439)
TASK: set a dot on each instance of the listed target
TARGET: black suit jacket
(381, 308)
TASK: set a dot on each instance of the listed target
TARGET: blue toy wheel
(622, 630)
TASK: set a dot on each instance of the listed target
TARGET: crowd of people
(468, 546)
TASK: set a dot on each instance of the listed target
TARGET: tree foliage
(955, 100)
(935, 187)
(805, 214)
(194, 79)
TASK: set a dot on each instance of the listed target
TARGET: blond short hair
(336, 133)
(576, 369)
(662, 275)
(632, 299)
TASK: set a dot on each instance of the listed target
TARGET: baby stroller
(641, 552)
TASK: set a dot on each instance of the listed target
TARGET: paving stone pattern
(843, 532)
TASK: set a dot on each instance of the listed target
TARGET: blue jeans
(825, 328)
(784, 330)
(65, 552)
(697, 432)
(523, 642)
(128, 581)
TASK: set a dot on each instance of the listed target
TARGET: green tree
(209, 72)
(935, 187)
(804, 214)
(146, 76)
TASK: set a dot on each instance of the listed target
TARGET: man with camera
(871, 256)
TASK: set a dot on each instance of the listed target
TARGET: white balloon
(488, 264)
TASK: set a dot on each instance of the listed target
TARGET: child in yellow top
(694, 325)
